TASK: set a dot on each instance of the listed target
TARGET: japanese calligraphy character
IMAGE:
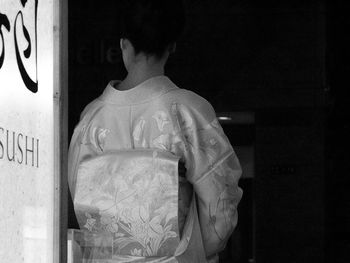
(3, 22)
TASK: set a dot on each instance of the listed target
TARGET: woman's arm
(214, 170)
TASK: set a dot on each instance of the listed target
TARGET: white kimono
(156, 114)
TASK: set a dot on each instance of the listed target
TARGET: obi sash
(127, 206)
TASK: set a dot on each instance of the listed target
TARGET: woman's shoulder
(190, 101)
(91, 107)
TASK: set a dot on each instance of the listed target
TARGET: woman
(147, 110)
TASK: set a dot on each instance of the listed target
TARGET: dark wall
(94, 54)
(237, 54)
(289, 186)
(242, 54)
(338, 130)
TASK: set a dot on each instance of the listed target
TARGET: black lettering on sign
(6, 23)
(30, 83)
(30, 150)
(1, 145)
(8, 143)
(19, 148)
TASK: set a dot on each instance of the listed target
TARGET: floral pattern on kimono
(216, 179)
(133, 201)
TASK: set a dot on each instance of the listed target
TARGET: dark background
(285, 61)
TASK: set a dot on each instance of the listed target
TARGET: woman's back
(158, 115)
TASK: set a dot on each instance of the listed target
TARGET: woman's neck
(140, 72)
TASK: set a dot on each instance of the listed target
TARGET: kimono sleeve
(214, 170)
(85, 143)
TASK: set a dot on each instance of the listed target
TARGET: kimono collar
(145, 91)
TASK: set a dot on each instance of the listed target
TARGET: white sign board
(27, 178)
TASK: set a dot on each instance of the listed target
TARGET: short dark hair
(152, 25)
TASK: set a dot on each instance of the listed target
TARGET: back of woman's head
(152, 25)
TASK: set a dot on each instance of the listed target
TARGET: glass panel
(27, 187)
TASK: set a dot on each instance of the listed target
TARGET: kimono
(158, 116)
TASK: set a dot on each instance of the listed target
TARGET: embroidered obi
(127, 204)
